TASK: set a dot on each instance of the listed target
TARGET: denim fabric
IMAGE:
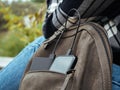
(116, 77)
(11, 75)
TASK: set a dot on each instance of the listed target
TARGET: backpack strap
(67, 79)
(117, 20)
(52, 38)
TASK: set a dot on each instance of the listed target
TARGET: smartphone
(63, 64)
(41, 63)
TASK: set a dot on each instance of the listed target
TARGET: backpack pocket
(43, 80)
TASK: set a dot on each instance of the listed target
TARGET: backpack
(92, 70)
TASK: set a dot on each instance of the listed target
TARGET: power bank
(63, 64)
(41, 63)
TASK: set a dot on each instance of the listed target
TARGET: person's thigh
(115, 77)
(11, 75)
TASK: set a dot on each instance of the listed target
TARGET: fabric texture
(11, 75)
(115, 77)
(87, 8)
(92, 70)
(112, 28)
(56, 16)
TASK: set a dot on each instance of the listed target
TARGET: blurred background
(20, 23)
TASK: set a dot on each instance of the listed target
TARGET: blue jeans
(11, 75)
(116, 77)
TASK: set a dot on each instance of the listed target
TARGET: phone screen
(63, 64)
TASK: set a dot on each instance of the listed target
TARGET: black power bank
(41, 63)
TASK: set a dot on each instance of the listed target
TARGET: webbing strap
(67, 79)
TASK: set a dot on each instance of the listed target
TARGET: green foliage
(25, 8)
(10, 44)
(14, 34)
(38, 1)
